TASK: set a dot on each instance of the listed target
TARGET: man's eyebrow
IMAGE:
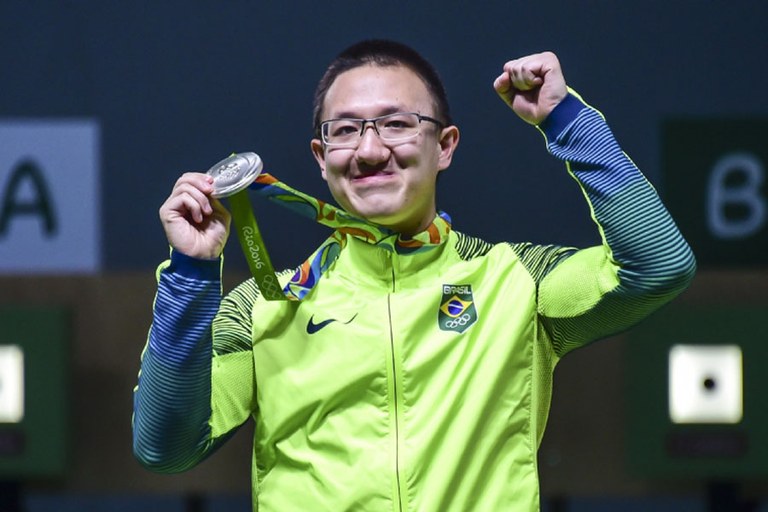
(348, 114)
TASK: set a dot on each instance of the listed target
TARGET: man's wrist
(561, 116)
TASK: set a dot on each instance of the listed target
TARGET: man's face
(391, 184)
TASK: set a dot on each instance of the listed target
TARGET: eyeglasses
(347, 132)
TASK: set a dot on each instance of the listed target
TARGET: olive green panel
(656, 447)
(36, 446)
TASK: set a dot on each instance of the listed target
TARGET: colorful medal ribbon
(343, 224)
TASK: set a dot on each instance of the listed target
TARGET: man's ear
(449, 140)
(318, 151)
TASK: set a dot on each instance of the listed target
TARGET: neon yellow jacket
(416, 382)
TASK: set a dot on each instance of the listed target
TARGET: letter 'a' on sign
(11, 384)
(705, 384)
(40, 205)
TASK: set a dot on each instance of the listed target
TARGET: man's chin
(380, 218)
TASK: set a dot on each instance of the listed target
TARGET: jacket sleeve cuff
(561, 116)
(194, 268)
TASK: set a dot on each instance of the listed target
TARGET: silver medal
(235, 173)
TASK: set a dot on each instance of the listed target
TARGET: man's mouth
(371, 174)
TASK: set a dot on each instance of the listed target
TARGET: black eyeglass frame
(373, 120)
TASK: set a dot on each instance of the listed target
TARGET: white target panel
(705, 384)
(11, 384)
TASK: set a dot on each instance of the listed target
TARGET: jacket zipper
(401, 502)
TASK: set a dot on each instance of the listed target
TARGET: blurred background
(104, 104)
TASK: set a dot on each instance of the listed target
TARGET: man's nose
(371, 149)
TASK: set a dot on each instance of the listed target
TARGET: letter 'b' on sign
(746, 170)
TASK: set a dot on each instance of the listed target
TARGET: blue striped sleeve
(644, 260)
(172, 402)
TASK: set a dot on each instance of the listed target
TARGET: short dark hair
(382, 53)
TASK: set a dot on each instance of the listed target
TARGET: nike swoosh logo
(313, 327)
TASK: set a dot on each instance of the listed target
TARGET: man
(416, 372)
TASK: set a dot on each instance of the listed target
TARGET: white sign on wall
(49, 196)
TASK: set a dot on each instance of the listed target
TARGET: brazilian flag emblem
(457, 310)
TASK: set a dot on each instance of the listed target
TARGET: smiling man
(415, 371)
(390, 183)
